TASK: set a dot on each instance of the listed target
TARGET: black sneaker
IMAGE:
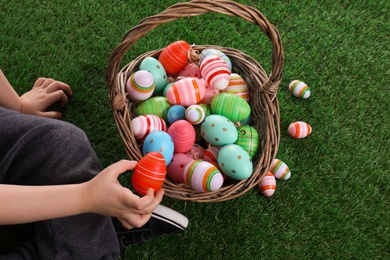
(163, 221)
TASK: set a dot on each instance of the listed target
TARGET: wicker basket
(262, 88)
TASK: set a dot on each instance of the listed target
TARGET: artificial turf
(335, 205)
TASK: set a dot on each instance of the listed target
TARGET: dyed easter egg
(176, 112)
(248, 139)
(206, 108)
(215, 72)
(299, 89)
(159, 141)
(191, 70)
(210, 51)
(145, 124)
(202, 176)
(157, 70)
(235, 162)
(196, 152)
(183, 135)
(210, 93)
(280, 170)
(267, 185)
(186, 92)
(211, 153)
(175, 168)
(165, 90)
(218, 130)
(230, 106)
(237, 86)
(157, 106)
(299, 129)
(149, 173)
(195, 114)
(140, 85)
(174, 57)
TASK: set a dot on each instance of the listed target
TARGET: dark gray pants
(40, 151)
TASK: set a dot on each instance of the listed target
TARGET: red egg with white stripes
(202, 176)
(183, 135)
(280, 170)
(174, 57)
(149, 173)
(299, 129)
(267, 185)
(140, 85)
(215, 71)
(145, 124)
(299, 89)
(186, 92)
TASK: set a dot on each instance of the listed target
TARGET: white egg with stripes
(280, 170)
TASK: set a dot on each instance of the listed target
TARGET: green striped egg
(158, 106)
(248, 139)
(231, 106)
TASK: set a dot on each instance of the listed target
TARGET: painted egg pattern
(211, 153)
(144, 124)
(237, 86)
(202, 176)
(140, 85)
(218, 130)
(175, 168)
(149, 173)
(159, 141)
(235, 162)
(210, 93)
(280, 170)
(191, 70)
(215, 71)
(195, 114)
(158, 72)
(157, 106)
(183, 135)
(176, 112)
(299, 129)
(267, 185)
(248, 139)
(174, 57)
(186, 92)
(299, 89)
(209, 51)
(230, 106)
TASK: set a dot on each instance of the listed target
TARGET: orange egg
(149, 173)
(174, 57)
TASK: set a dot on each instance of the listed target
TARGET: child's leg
(40, 151)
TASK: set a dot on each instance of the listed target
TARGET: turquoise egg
(235, 162)
(157, 70)
(218, 130)
(231, 106)
(159, 141)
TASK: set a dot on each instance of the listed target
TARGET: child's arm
(44, 93)
(102, 195)
(8, 96)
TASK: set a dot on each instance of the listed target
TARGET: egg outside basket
(262, 87)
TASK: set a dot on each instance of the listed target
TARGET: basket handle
(196, 8)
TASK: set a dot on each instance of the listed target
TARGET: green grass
(335, 206)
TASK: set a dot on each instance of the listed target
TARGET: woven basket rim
(263, 90)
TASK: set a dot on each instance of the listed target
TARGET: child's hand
(45, 93)
(107, 197)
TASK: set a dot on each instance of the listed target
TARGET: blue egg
(175, 113)
(159, 141)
